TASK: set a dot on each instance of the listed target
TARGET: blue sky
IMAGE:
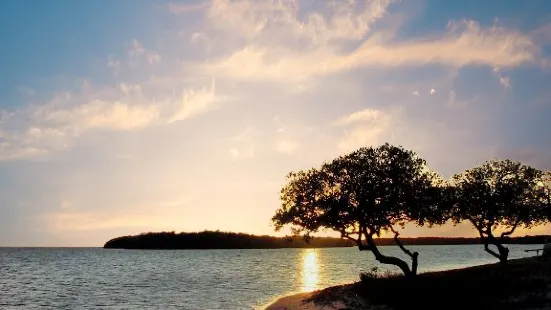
(119, 117)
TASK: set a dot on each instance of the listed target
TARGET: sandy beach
(331, 298)
(300, 302)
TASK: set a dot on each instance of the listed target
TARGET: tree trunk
(390, 260)
(414, 255)
(503, 252)
(414, 263)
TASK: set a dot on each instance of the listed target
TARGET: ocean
(96, 278)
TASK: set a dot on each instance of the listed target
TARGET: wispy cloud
(138, 54)
(367, 115)
(280, 20)
(273, 29)
(39, 129)
(368, 128)
(243, 144)
(286, 146)
(194, 102)
(505, 81)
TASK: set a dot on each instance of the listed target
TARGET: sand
(297, 302)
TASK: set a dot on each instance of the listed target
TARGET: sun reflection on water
(310, 272)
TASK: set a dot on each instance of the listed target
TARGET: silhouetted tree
(500, 195)
(547, 194)
(363, 194)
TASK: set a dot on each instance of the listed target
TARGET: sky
(121, 117)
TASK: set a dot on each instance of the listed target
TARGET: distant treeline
(219, 240)
(229, 240)
(460, 240)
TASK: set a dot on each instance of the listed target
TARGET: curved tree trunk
(414, 255)
(502, 252)
(488, 239)
(390, 260)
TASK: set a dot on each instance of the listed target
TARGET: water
(92, 278)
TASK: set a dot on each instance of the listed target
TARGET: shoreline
(287, 302)
(355, 296)
(302, 301)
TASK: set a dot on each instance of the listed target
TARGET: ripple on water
(216, 279)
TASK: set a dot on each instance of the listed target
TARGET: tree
(546, 195)
(362, 195)
(500, 195)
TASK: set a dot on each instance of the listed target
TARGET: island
(218, 240)
(231, 240)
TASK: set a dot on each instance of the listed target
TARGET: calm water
(92, 278)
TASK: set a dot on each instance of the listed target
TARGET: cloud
(203, 40)
(136, 49)
(194, 102)
(243, 144)
(86, 221)
(280, 19)
(287, 147)
(505, 81)
(455, 102)
(40, 129)
(416, 93)
(283, 46)
(432, 91)
(137, 54)
(366, 115)
(154, 58)
(368, 128)
(100, 114)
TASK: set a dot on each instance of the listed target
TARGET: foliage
(374, 274)
(521, 284)
(546, 193)
(362, 195)
(500, 195)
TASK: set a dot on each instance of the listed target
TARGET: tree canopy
(501, 195)
(364, 194)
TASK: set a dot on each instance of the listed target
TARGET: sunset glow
(122, 117)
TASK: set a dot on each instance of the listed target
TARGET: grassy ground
(522, 284)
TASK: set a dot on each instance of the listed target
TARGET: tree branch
(357, 241)
(487, 249)
(487, 245)
(383, 259)
(509, 232)
(400, 245)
